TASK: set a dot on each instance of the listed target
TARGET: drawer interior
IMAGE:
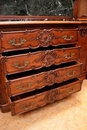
(45, 89)
(26, 51)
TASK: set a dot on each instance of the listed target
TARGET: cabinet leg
(5, 108)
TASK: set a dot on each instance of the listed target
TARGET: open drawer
(30, 81)
(38, 98)
(34, 60)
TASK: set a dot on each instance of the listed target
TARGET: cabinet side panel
(4, 100)
(82, 41)
(82, 9)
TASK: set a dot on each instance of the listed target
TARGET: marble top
(36, 7)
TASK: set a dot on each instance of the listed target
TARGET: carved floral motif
(51, 78)
(45, 37)
(51, 96)
(83, 31)
(48, 58)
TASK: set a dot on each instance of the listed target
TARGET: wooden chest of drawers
(38, 65)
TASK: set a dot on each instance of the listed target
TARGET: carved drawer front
(69, 89)
(22, 104)
(71, 72)
(40, 80)
(36, 60)
(15, 40)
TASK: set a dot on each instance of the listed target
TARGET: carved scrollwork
(83, 31)
(48, 58)
(50, 78)
(51, 96)
(45, 37)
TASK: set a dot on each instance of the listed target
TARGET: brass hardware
(25, 107)
(16, 65)
(70, 75)
(65, 37)
(73, 19)
(70, 90)
(21, 87)
(13, 42)
(69, 56)
(29, 85)
(64, 19)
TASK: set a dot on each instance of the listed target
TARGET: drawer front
(20, 63)
(70, 72)
(43, 79)
(39, 100)
(69, 89)
(15, 40)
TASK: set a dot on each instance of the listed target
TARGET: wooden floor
(67, 114)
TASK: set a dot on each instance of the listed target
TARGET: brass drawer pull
(70, 75)
(13, 42)
(69, 56)
(17, 65)
(25, 107)
(21, 87)
(70, 90)
(65, 37)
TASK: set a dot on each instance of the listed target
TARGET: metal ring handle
(65, 37)
(17, 65)
(13, 42)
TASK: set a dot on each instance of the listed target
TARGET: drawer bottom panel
(38, 98)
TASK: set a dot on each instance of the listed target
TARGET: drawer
(16, 40)
(40, 80)
(37, 60)
(44, 96)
